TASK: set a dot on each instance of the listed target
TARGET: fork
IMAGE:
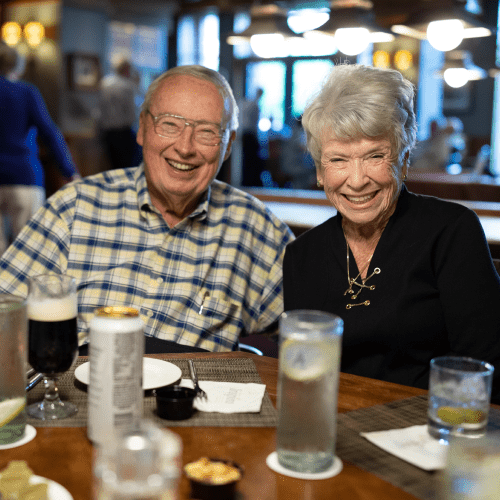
(199, 391)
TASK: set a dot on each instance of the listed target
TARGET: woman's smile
(360, 199)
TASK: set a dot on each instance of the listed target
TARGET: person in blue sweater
(22, 181)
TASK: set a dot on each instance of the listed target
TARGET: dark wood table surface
(65, 454)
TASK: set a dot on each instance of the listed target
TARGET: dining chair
(496, 263)
(259, 344)
(250, 348)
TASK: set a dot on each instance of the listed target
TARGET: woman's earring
(318, 183)
(405, 177)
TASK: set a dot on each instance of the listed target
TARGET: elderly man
(201, 260)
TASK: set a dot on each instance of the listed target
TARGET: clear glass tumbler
(139, 464)
(13, 357)
(309, 362)
(472, 470)
(459, 397)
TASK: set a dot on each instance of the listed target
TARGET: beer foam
(53, 309)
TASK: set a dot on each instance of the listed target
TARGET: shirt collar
(144, 199)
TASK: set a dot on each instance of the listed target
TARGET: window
(198, 40)
(144, 45)
(307, 77)
(270, 76)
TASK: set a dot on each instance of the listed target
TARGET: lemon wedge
(457, 416)
(10, 409)
(307, 361)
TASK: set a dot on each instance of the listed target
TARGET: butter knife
(34, 381)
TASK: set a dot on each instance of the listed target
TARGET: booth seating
(302, 210)
(469, 187)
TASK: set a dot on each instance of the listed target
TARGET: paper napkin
(412, 444)
(228, 397)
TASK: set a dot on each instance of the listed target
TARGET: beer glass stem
(51, 391)
(51, 407)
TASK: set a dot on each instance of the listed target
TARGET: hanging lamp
(352, 24)
(268, 31)
(458, 69)
(444, 27)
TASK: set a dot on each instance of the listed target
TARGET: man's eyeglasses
(172, 126)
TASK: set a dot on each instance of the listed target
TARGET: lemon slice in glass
(10, 409)
(457, 416)
(307, 361)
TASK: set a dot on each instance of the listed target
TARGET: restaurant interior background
(81, 37)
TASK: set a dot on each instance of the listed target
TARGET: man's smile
(181, 166)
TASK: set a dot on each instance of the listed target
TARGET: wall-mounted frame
(84, 72)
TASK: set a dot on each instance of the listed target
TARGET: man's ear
(232, 137)
(140, 131)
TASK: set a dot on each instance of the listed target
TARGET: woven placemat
(220, 370)
(398, 414)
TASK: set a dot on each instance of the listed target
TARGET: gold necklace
(354, 295)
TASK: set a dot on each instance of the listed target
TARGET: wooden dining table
(64, 454)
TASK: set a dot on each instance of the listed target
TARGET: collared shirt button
(149, 314)
(159, 281)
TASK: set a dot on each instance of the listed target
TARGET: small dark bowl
(175, 402)
(204, 490)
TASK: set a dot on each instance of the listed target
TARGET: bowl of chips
(213, 478)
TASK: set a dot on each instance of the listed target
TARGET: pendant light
(444, 27)
(458, 69)
(352, 24)
(268, 31)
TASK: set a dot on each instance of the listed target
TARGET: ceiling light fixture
(34, 32)
(458, 69)
(267, 33)
(444, 28)
(352, 24)
(11, 33)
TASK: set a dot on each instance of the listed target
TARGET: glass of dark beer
(52, 339)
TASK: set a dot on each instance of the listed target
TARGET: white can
(115, 383)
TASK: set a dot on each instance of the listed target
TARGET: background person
(445, 146)
(24, 115)
(200, 260)
(252, 163)
(117, 113)
(410, 275)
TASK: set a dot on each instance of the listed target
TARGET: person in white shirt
(117, 114)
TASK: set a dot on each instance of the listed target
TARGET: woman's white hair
(359, 101)
(230, 117)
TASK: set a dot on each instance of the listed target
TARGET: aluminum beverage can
(115, 392)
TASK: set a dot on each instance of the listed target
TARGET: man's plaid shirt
(215, 275)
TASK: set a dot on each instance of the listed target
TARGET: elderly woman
(410, 275)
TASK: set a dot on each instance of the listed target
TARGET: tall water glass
(53, 339)
(13, 335)
(309, 362)
(459, 397)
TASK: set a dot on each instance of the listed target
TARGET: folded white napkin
(413, 444)
(228, 397)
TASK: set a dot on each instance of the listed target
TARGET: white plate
(55, 491)
(155, 373)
